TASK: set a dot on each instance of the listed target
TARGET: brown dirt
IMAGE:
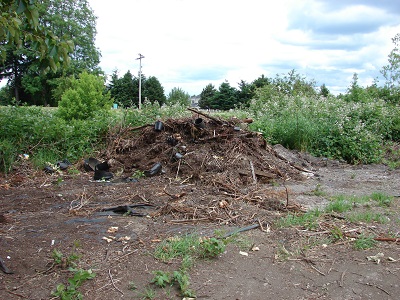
(211, 188)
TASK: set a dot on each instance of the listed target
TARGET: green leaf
(21, 6)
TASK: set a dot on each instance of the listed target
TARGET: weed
(308, 219)
(132, 286)
(382, 199)
(70, 291)
(367, 216)
(189, 245)
(337, 233)
(282, 253)
(161, 278)
(148, 293)
(180, 277)
(318, 191)
(364, 242)
(339, 205)
(64, 262)
(138, 174)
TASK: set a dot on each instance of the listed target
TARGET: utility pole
(140, 79)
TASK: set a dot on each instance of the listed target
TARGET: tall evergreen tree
(206, 96)
(153, 90)
(225, 98)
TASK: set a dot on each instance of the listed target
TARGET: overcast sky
(191, 43)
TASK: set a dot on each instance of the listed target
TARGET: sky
(189, 44)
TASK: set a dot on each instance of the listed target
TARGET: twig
(342, 278)
(378, 287)
(177, 171)
(310, 264)
(253, 174)
(287, 196)
(188, 220)
(19, 295)
(112, 281)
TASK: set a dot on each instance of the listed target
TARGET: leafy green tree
(293, 84)
(153, 90)
(20, 28)
(71, 19)
(85, 98)
(206, 96)
(178, 96)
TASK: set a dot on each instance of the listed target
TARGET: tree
(324, 91)
(72, 20)
(86, 97)
(206, 96)
(123, 90)
(153, 90)
(245, 93)
(391, 72)
(178, 96)
(355, 93)
(20, 27)
(261, 81)
(225, 98)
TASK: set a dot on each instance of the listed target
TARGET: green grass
(308, 219)
(189, 245)
(367, 217)
(364, 242)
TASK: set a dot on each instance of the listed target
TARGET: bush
(84, 99)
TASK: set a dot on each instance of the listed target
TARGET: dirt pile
(218, 153)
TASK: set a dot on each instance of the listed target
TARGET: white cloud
(190, 43)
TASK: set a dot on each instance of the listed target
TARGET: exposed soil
(223, 178)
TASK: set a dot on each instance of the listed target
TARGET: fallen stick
(253, 174)
(206, 115)
(112, 281)
(341, 283)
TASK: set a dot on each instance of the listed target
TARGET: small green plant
(138, 174)
(318, 191)
(64, 262)
(337, 233)
(364, 242)
(70, 291)
(180, 278)
(161, 278)
(148, 293)
(132, 286)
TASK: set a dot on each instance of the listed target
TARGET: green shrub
(85, 98)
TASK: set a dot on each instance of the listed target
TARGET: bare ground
(227, 179)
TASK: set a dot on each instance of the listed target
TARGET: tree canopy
(72, 20)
